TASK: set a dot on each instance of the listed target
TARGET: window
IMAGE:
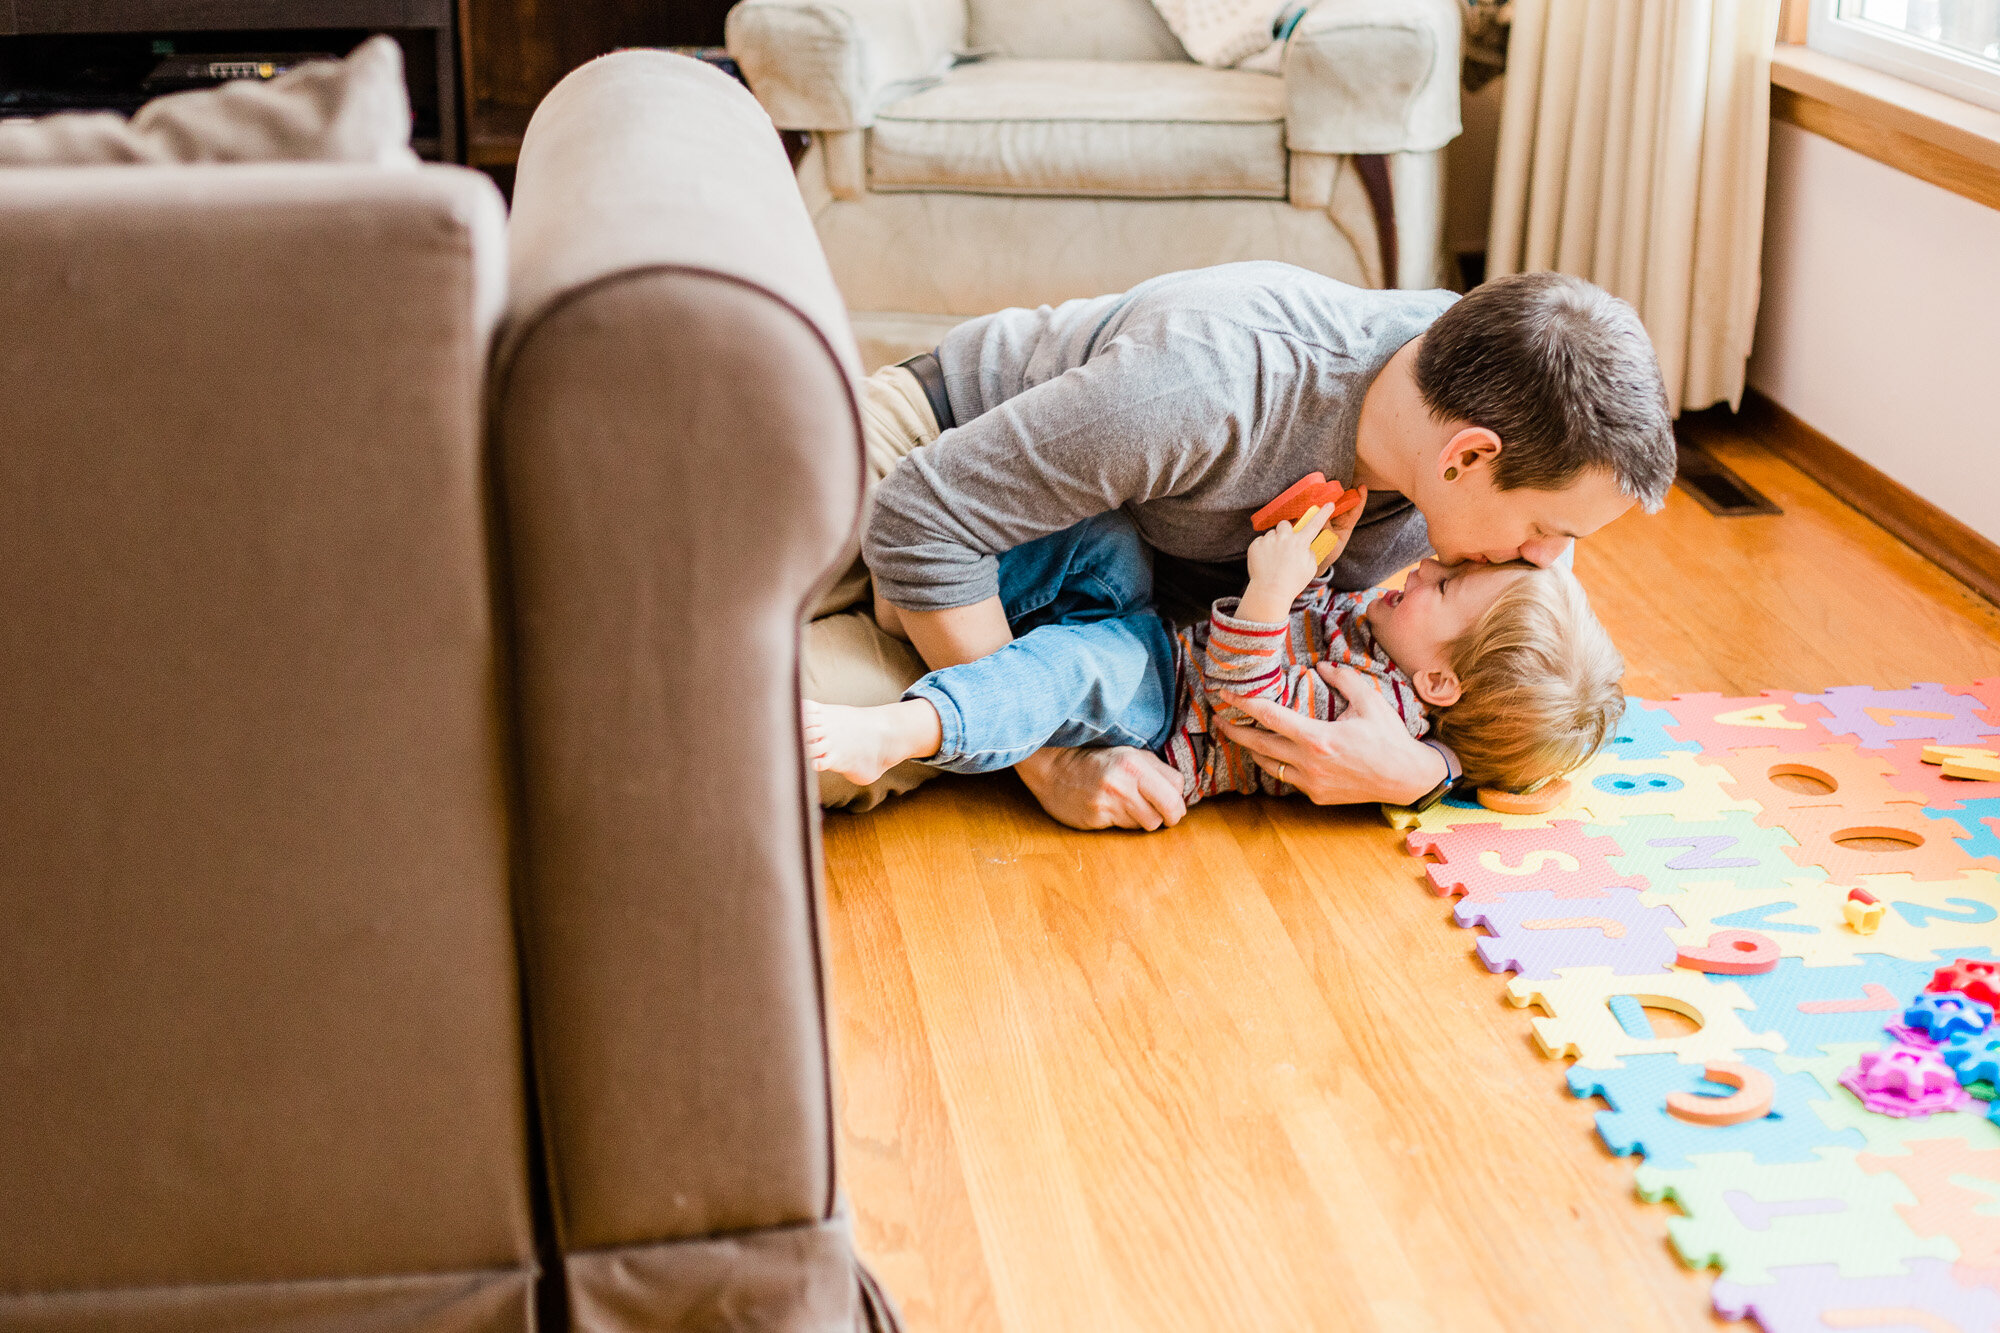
(1950, 45)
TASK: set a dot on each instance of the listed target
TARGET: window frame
(1910, 58)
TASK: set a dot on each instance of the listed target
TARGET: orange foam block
(1302, 495)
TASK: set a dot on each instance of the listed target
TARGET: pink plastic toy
(1906, 1081)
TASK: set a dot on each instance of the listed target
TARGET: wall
(1880, 322)
(1468, 170)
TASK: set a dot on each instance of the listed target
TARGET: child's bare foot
(861, 744)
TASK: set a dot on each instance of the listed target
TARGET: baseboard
(1921, 525)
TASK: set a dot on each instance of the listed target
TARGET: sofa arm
(1373, 76)
(828, 64)
(680, 460)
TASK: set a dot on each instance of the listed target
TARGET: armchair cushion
(1373, 76)
(1094, 128)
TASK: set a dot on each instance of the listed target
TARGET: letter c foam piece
(1734, 952)
(1751, 1101)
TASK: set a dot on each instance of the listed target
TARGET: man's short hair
(1563, 372)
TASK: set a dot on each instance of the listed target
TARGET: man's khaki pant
(847, 657)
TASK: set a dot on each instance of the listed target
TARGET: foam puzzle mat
(1795, 876)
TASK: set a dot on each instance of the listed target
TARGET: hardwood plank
(1245, 1073)
(1932, 533)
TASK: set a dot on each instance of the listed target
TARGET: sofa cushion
(352, 110)
(1162, 129)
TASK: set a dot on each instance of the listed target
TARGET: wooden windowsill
(1951, 143)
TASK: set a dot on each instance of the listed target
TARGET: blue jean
(1091, 664)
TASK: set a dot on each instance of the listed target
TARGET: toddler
(1507, 661)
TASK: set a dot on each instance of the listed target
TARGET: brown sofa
(410, 871)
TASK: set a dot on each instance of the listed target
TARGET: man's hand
(1119, 787)
(1365, 755)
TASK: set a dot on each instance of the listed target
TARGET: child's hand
(1282, 563)
(1283, 557)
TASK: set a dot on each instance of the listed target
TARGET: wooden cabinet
(516, 50)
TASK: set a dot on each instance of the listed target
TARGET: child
(1521, 679)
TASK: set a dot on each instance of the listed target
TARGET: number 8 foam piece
(1536, 933)
(1485, 861)
(1677, 784)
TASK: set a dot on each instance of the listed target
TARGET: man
(1499, 426)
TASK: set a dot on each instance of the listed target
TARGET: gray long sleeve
(1189, 401)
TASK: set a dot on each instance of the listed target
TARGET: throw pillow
(352, 110)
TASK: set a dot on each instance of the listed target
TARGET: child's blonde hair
(1541, 685)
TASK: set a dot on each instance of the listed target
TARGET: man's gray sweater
(1190, 402)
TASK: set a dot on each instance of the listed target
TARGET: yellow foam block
(1945, 754)
(1985, 770)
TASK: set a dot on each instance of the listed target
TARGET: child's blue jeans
(1091, 664)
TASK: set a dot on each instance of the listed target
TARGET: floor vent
(1720, 491)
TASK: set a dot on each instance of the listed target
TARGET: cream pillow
(352, 110)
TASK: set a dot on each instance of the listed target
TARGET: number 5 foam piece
(1812, 1298)
(1951, 1183)
(1677, 784)
(1877, 718)
(1979, 832)
(1749, 1217)
(1841, 778)
(1642, 733)
(1580, 1022)
(1775, 717)
(1638, 1120)
(1812, 1007)
(1536, 933)
(1734, 850)
(1486, 861)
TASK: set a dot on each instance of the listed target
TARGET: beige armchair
(969, 155)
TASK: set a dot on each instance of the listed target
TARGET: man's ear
(1437, 686)
(1471, 447)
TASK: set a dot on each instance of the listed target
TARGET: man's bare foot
(861, 744)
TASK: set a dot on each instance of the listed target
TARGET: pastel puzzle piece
(1811, 1007)
(1842, 777)
(1928, 782)
(1642, 733)
(1677, 784)
(1580, 1021)
(1775, 717)
(1978, 835)
(1485, 861)
(1536, 933)
(1749, 1217)
(1638, 1120)
(1893, 840)
(1927, 1297)
(1950, 1181)
(1922, 917)
(1878, 718)
(1734, 849)
(1884, 1133)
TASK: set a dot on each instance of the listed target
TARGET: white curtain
(1633, 140)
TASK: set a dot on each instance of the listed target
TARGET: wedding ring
(1281, 772)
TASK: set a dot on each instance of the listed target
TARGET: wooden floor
(1245, 1074)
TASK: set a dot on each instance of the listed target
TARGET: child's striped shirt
(1273, 662)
